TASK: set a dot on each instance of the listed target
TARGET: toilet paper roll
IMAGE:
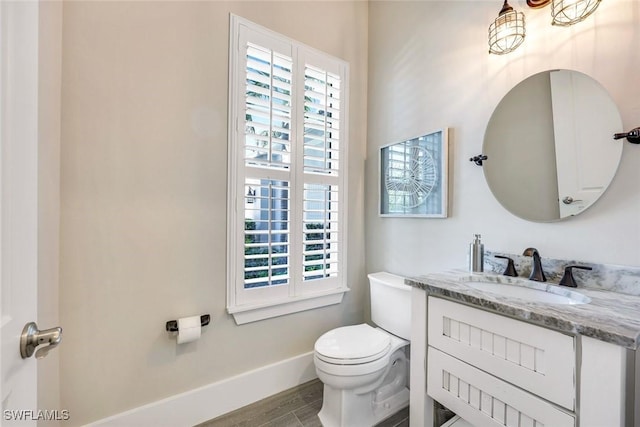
(188, 329)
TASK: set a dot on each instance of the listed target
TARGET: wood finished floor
(296, 407)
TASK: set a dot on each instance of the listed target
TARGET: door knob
(568, 200)
(32, 337)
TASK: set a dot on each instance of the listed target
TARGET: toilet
(365, 369)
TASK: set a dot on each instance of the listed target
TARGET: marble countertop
(610, 316)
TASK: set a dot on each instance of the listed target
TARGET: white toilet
(365, 370)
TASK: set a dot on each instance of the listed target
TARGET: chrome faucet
(537, 273)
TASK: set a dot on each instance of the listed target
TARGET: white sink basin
(546, 294)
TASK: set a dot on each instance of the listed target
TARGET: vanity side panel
(636, 386)
(421, 411)
(632, 403)
(602, 384)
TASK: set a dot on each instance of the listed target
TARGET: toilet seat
(353, 345)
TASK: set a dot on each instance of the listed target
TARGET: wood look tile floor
(296, 407)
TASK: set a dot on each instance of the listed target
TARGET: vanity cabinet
(495, 370)
(479, 363)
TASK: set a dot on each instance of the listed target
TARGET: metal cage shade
(569, 12)
(507, 32)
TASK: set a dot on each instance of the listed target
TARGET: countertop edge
(528, 314)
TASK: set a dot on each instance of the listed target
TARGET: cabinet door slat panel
(500, 403)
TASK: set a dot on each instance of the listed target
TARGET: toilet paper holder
(172, 325)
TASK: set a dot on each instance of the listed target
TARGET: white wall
(143, 194)
(429, 68)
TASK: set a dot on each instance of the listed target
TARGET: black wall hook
(478, 159)
(633, 136)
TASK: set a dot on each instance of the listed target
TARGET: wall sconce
(507, 32)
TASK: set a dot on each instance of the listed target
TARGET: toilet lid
(353, 344)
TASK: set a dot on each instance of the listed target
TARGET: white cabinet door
(485, 400)
(534, 358)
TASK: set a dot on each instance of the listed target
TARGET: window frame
(249, 305)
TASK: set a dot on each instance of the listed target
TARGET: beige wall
(143, 171)
(429, 68)
(143, 195)
(49, 74)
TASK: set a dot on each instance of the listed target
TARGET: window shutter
(321, 121)
(320, 231)
(266, 233)
(287, 118)
(267, 107)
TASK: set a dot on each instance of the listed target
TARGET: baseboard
(204, 403)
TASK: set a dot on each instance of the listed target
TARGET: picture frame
(414, 176)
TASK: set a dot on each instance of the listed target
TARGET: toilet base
(364, 397)
(344, 409)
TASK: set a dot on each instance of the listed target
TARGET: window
(287, 178)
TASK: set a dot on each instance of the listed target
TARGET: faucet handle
(511, 268)
(567, 278)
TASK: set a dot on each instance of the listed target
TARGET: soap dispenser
(476, 255)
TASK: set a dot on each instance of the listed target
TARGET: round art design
(413, 178)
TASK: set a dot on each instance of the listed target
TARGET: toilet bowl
(365, 370)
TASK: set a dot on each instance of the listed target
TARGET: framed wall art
(413, 177)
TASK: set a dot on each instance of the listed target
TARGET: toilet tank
(390, 303)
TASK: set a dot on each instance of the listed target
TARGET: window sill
(248, 314)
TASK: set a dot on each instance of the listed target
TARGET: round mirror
(550, 147)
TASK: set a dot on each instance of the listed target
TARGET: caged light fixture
(569, 12)
(507, 32)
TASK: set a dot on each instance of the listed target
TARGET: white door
(587, 157)
(18, 199)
